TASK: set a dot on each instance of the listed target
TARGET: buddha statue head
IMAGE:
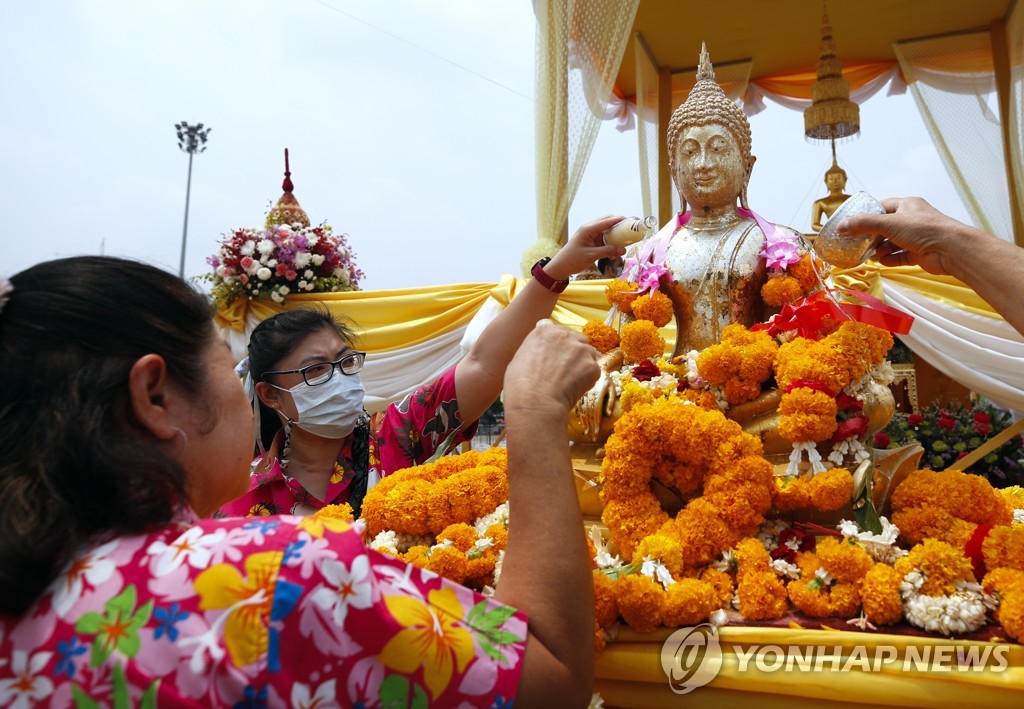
(709, 146)
(835, 179)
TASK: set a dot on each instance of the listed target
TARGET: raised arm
(478, 377)
(915, 233)
(546, 572)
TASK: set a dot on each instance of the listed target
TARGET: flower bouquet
(279, 260)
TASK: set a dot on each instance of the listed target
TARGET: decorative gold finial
(704, 69)
(287, 210)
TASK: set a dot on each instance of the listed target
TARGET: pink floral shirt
(407, 434)
(268, 612)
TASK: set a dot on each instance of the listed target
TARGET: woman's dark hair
(277, 337)
(75, 464)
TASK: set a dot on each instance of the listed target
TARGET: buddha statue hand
(594, 416)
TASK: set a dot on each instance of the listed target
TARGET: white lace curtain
(580, 44)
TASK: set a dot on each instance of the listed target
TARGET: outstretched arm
(915, 233)
(478, 377)
(546, 571)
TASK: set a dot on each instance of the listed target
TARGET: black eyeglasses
(321, 372)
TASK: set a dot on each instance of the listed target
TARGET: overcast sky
(410, 126)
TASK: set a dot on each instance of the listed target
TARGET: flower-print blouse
(272, 611)
(407, 434)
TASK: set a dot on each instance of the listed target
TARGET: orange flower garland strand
(740, 364)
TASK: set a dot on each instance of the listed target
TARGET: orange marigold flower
(1011, 614)
(1004, 546)
(740, 363)
(663, 548)
(450, 563)
(941, 564)
(602, 337)
(701, 397)
(417, 555)
(831, 489)
(342, 512)
(641, 340)
(462, 536)
(762, 596)
(791, 493)
(640, 599)
(751, 556)
(844, 559)
(804, 272)
(880, 594)
(600, 641)
(781, 290)
(688, 602)
(807, 415)
(654, 306)
(808, 562)
(946, 505)
(722, 583)
(606, 607)
(622, 294)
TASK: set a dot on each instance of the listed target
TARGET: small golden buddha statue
(715, 270)
(835, 180)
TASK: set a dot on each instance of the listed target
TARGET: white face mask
(331, 409)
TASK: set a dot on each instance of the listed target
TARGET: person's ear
(151, 397)
(268, 395)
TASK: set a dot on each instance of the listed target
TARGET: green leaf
(397, 692)
(82, 700)
(444, 448)
(121, 698)
(867, 516)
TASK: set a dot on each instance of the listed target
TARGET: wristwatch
(544, 279)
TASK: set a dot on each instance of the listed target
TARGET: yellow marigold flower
(740, 363)
(762, 596)
(880, 595)
(450, 563)
(721, 582)
(688, 602)
(602, 337)
(1011, 614)
(804, 272)
(791, 493)
(701, 397)
(634, 395)
(807, 415)
(629, 521)
(640, 340)
(751, 556)
(941, 564)
(780, 290)
(499, 535)
(808, 563)
(640, 600)
(946, 505)
(845, 560)
(663, 548)
(342, 512)
(1003, 581)
(831, 489)
(461, 535)
(1014, 496)
(606, 607)
(654, 306)
(1004, 546)
(622, 293)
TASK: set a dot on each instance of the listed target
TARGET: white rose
(265, 246)
(263, 274)
(249, 248)
(276, 297)
(284, 290)
(317, 259)
(307, 274)
(302, 285)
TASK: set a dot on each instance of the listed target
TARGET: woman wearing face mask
(320, 448)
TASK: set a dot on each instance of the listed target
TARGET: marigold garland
(343, 512)
(603, 338)
(641, 340)
(946, 505)
(807, 415)
(826, 491)
(1009, 585)
(688, 602)
(1004, 547)
(740, 364)
(428, 498)
(683, 446)
(639, 601)
(606, 605)
(805, 274)
(818, 600)
(845, 560)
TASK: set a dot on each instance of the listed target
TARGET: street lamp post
(192, 140)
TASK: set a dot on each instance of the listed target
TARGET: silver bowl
(848, 250)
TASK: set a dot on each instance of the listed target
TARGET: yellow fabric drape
(868, 277)
(385, 319)
(800, 84)
(629, 673)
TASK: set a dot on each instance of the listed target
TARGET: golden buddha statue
(714, 266)
(835, 181)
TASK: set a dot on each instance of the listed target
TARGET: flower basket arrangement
(948, 433)
(279, 260)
